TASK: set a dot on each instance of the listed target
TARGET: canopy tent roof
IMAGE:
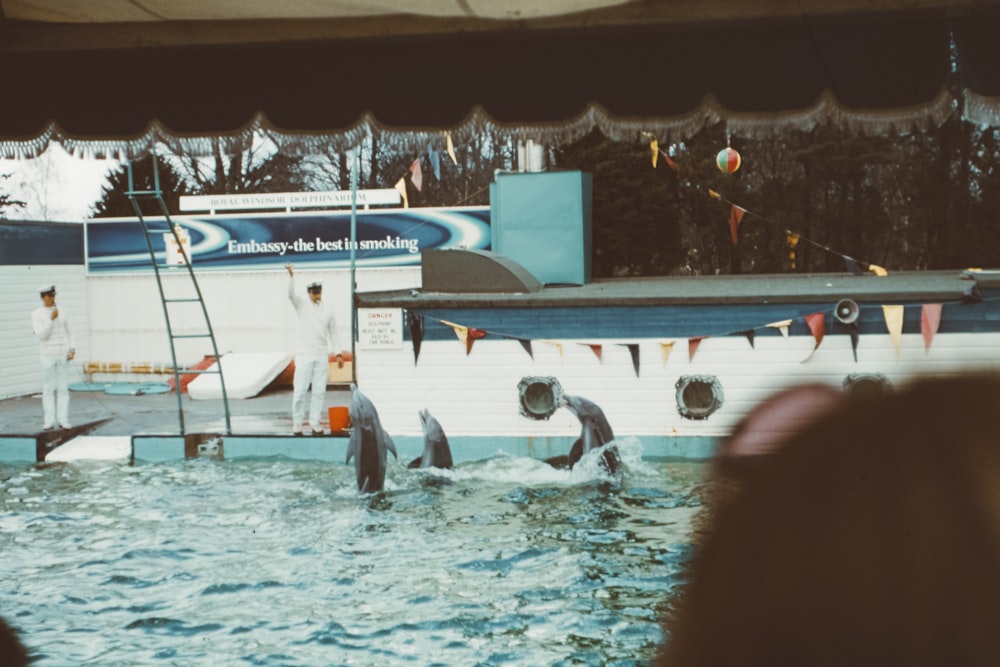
(115, 76)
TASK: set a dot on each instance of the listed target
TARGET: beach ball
(728, 160)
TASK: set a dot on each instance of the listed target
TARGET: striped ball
(728, 160)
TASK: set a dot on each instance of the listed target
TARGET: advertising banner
(387, 237)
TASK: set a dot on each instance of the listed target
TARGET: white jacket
(317, 334)
(55, 338)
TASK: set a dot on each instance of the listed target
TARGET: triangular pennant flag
(461, 332)
(713, 194)
(471, 336)
(854, 340)
(526, 344)
(633, 349)
(878, 270)
(654, 146)
(781, 326)
(817, 325)
(450, 146)
(735, 218)
(435, 159)
(417, 174)
(670, 162)
(894, 323)
(416, 324)
(693, 344)
(558, 345)
(853, 266)
(597, 349)
(665, 350)
(401, 187)
(749, 335)
(930, 320)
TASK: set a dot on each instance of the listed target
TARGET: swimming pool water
(274, 562)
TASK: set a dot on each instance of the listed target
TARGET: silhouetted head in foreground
(12, 651)
(871, 537)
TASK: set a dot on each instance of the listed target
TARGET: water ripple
(279, 563)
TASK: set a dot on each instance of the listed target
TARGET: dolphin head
(437, 452)
(369, 443)
(595, 431)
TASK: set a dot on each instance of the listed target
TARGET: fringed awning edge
(826, 111)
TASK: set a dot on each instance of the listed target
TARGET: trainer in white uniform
(317, 335)
(55, 342)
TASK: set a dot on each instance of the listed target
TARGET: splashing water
(506, 561)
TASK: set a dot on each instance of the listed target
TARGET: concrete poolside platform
(147, 427)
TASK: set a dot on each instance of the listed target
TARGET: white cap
(45, 289)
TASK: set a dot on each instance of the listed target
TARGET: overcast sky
(55, 186)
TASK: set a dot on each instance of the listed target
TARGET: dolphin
(368, 444)
(595, 432)
(437, 453)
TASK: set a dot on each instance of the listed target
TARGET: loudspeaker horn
(847, 311)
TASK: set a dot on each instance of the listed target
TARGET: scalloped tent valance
(872, 73)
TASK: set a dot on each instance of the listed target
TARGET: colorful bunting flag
(416, 324)
(894, 323)
(853, 266)
(435, 160)
(749, 335)
(557, 344)
(417, 175)
(854, 339)
(781, 326)
(450, 146)
(597, 349)
(817, 325)
(693, 344)
(526, 344)
(713, 194)
(472, 335)
(633, 349)
(930, 320)
(654, 146)
(878, 270)
(665, 350)
(467, 335)
(401, 187)
(735, 218)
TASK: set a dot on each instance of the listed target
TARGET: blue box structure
(542, 221)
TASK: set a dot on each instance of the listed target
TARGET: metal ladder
(134, 196)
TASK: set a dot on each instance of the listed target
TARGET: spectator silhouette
(12, 651)
(872, 537)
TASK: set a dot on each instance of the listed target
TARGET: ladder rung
(204, 335)
(199, 371)
(185, 300)
(133, 193)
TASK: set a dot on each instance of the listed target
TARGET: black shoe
(318, 433)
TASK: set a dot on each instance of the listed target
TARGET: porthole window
(867, 385)
(698, 396)
(539, 396)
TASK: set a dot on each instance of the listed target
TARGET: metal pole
(354, 235)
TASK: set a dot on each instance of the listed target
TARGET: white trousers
(312, 371)
(55, 390)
